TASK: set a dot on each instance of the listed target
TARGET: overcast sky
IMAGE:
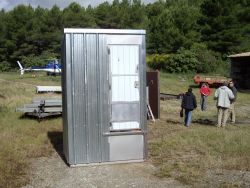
(9, 4)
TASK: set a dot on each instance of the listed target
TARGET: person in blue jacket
(188, 104)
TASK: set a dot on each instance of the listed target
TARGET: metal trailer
(42, 108)
(211, 80)
(104, 96)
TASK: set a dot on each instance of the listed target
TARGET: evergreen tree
(220, 26)
(28, 33)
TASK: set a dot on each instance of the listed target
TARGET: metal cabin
(104, 96)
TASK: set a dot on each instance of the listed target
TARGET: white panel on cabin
(124, 62)
(125, 125)
(124, 88)
(124, 59)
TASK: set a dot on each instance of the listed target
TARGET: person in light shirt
(223, 95)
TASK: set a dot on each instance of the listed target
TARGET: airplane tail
(21, 67)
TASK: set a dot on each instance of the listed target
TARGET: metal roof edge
(105, 31)
(245, 54)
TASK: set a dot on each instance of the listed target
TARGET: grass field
(188, 155)
(22, 138)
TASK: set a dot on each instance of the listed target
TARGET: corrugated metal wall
(86, 97)
(85, 85)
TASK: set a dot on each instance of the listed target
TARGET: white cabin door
(124, 90)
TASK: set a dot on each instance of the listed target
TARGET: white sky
(10, 4)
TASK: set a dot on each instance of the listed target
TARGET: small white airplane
(52, 68)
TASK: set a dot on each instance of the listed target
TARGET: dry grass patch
(187, 154)
(22, 138)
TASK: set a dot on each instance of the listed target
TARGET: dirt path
(53, 172)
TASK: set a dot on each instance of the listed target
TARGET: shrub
(4, 66)
(182, 61)
(207, 61)
(41, 60)
(197, 59)
(157, 61)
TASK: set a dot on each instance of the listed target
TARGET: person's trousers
(188, 117)
(232, 113)
(222, 116)
(203, 102)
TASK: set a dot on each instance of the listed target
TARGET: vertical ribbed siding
(103, 96)
(67, 101)
(79, 117)
(64, 100)
(143, 102)
(92, 98)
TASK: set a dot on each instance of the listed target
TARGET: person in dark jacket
(232, 102)
(188, 104)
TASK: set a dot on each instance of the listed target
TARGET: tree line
(182, 35)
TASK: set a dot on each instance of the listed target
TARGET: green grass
(188, 153)
(178, 152)
(22, 138)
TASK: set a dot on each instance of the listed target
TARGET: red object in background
(205, 90)
(211, 80)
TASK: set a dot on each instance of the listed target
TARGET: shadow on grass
(25, 116)
(56, 139)
(244, 91)
(173, 121)
(206, 122)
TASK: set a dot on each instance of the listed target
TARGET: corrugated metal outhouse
(104, 95)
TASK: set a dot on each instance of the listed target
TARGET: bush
(182, 61)
(31, 61)
(4, 66)
(41, 60)
(157, 61)
(207, 61)
(197, 59)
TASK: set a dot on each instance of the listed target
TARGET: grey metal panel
(143, 101)
(103, 96)
(125, 111)
(92, 99)
(79, 116)
(104, 31)
(67, 102)
(125, 39)
(126, 147)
